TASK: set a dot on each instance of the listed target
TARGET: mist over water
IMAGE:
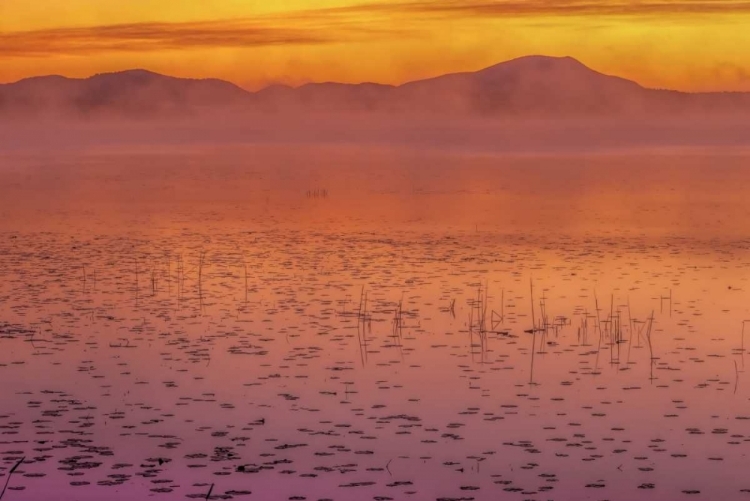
(668, 177)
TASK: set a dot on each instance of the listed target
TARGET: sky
(692, 45)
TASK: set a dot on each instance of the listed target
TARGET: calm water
(369, 323)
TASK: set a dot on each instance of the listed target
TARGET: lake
(373, 321)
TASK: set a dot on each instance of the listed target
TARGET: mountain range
(531, 85)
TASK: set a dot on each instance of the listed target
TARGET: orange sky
(682, 44)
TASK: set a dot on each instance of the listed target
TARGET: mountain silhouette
(132, 92)
(531, 85)
(528, 84)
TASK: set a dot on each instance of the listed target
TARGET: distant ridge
(130, 92)
(527, 86)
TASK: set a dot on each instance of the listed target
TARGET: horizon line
(365, 82)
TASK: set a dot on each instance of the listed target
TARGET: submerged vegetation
(350, 363)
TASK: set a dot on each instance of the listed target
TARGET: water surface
(373, 322)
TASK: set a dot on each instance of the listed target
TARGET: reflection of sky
(652, 194)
